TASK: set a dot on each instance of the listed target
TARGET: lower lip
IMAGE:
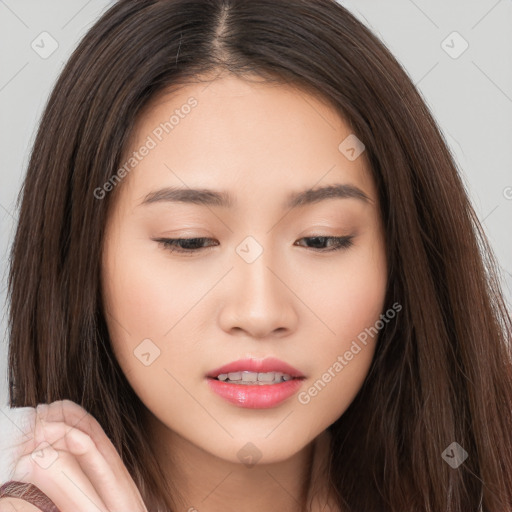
(257, 396)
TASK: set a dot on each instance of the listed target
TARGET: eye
(338, 242)
(183, 245)
(191, 245)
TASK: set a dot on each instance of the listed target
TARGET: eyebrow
(223, 199)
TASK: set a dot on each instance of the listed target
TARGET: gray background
(470, 96)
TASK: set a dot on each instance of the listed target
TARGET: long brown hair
(441, 374)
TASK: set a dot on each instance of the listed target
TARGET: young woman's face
(263, 281)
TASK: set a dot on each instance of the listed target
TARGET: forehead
(252, 136)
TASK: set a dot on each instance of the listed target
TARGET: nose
(258, 300)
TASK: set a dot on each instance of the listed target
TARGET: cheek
(145, 313)
(360, 299)
(350, 304)
(145, 301)
(146, 293)
(346, 295)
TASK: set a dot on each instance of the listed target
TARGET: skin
(66, 454)
(306, 307)
(259, 142)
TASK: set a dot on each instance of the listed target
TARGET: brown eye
(338, 242)
(184, 245)
(316, 243)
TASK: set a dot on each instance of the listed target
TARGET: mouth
(256, 372)
(254, 378)
(255, 384)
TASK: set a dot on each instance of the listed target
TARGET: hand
(70, 458)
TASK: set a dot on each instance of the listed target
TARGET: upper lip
(269, 364)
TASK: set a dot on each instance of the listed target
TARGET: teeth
(266, 377)
(261, 378)
(248, 376)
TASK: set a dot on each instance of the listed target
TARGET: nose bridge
(255, 259)
(258, 301)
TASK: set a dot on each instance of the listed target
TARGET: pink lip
(256, 396)
(270, 364)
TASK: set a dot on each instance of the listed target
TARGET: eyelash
(172, 244)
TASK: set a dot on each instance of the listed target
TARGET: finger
(115, 490)
(63, 481)
(76, 416)
(57, 473)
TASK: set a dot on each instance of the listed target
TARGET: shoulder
(17, 505)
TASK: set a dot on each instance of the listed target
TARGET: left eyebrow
(223, 199)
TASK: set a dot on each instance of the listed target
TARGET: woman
(247, 275)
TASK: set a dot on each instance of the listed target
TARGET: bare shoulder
(17, 505)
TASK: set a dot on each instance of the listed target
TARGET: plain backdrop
(458, 53)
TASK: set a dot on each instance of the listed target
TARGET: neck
(207, 483)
